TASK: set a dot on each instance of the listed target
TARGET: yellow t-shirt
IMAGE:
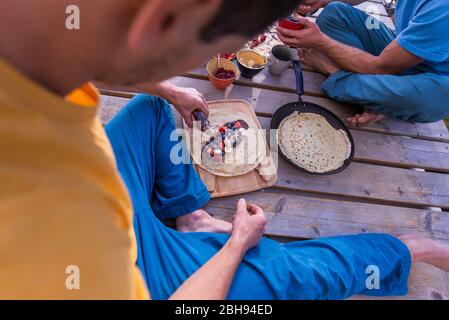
(65, 215)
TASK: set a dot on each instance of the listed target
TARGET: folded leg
(143, 133)
(355, 28)
(415, 98)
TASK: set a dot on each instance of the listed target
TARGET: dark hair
(246, 17)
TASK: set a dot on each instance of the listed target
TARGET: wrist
(237, 246)
(323, 42)
(167, 91)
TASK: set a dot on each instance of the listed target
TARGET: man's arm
(393, 60)
(185, 100)
(213, 280)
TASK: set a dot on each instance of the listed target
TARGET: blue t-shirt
(422, 27)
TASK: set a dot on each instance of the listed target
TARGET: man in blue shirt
(403, 75)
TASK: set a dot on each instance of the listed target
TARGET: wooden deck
(398, 183)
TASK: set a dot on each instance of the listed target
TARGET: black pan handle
(299, 78)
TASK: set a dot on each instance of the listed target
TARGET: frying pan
(301, 106)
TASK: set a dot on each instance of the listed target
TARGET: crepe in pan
(309, 141)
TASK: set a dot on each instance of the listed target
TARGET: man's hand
(187, 100)
(213, 280)
(308, 6)
(309, 37)
(248, 226)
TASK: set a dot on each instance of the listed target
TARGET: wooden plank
(306, 217)
(428, 282)
(371, 147)
(286, 83)
(371, 182)
(266, 101)
(303, 217)
(396, 151)
(401, 151)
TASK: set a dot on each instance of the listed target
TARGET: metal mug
(281, 57)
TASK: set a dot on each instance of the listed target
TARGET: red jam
(223, 74)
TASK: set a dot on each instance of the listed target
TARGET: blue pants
(417, 95)
(332, 268)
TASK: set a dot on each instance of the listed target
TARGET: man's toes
(353, 120)
(369, 118)
(365, 117)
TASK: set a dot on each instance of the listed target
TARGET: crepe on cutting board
(245, 157)
(248, 167)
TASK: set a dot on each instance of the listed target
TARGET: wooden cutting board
(264, 176)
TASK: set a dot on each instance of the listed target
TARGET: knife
(205, 124)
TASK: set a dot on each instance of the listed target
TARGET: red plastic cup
(291, 25)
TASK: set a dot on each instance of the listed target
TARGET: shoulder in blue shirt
(423, 29)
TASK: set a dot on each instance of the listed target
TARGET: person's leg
(328, 268)
(354, 27)
(165, 257)
(427, 250)
(144, 132)
(413, 98)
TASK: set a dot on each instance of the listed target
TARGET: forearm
(353, 59)
(213, 280)
(163, 89)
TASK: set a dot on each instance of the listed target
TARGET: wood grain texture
(297, 216)
(389, 150)
(396, 151)
(366, 181)
(285, 83)
(373, 182)
(265, 102)
(292, 215)
(305, 217)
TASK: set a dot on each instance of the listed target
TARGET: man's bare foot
(420, 247)
(201, 221)
(364, 119)
(427, 250)
(318, 61)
